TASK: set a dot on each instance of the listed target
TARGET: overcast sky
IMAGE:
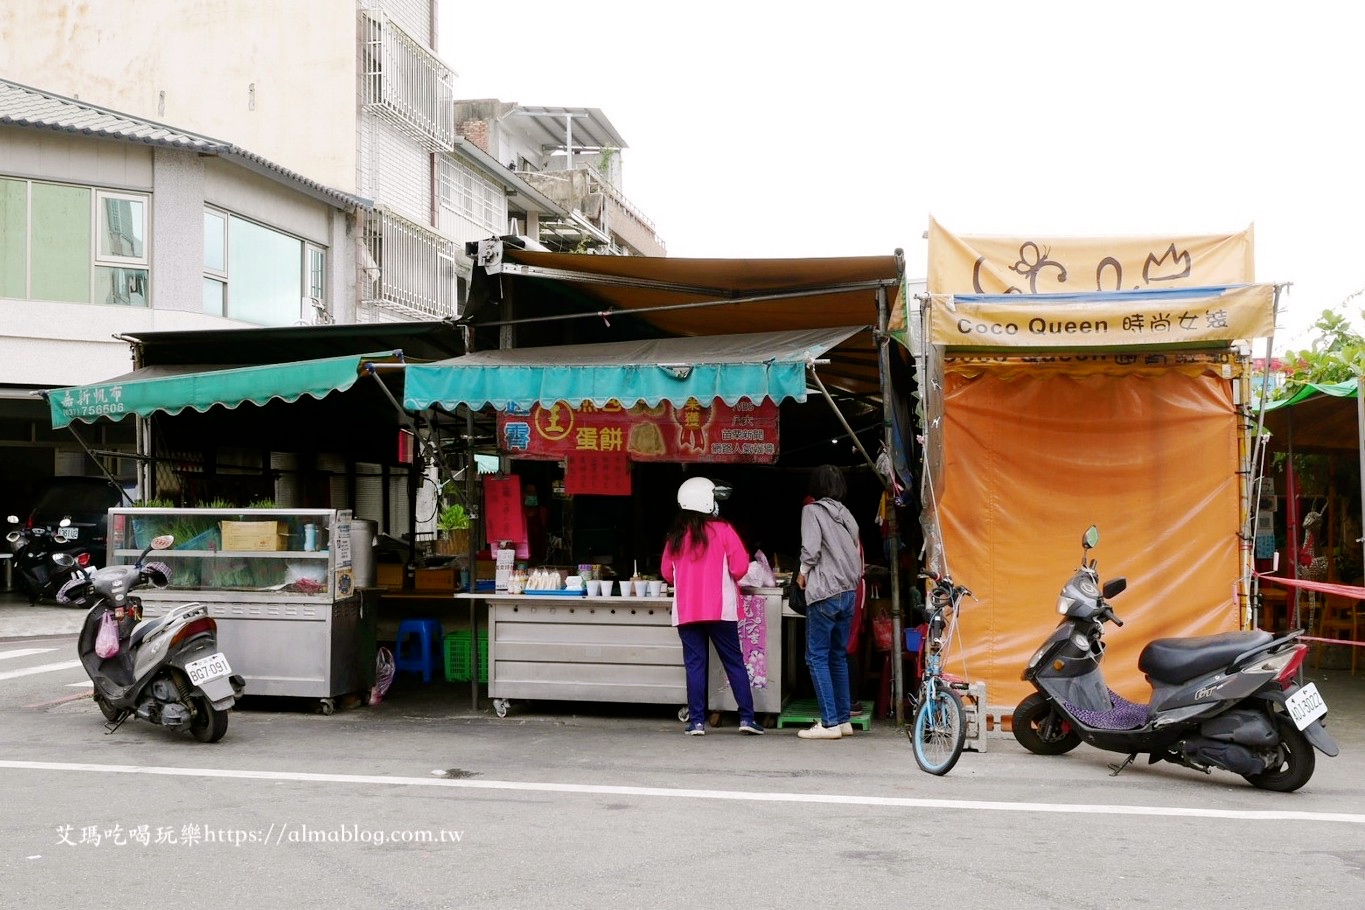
(798, 129)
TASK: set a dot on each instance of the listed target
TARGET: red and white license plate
(200, 671)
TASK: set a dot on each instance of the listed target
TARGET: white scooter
(167, 671)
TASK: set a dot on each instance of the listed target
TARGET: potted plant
(452, 523)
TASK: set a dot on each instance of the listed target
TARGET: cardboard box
(435, 579)
(252, 535)
(389, 574)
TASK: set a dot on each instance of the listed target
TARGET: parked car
(84, 500)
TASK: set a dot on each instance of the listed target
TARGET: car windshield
(80, 497)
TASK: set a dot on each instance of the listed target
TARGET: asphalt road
(421, 802)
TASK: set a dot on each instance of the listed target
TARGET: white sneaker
(846, 729)
(820, 731)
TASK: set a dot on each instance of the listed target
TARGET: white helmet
(699, 494)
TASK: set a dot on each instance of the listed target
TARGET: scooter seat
(1178, 660)
(142, 630)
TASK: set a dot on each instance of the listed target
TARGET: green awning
(172, 389)
(728, 368)
(1347, 388)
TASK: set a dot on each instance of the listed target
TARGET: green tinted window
(60, 259)
(13, 238)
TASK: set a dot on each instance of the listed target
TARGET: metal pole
(884, 363)
(1360, 446)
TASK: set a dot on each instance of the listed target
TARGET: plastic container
(457, 659)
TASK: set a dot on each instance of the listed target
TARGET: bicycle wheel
(939, 731)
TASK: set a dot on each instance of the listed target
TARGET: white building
(227, 136)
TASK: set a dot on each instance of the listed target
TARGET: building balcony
(408, 270)
(582, 189)
(405, 82)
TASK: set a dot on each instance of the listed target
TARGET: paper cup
(641, 588)
(594, 588)
(656, 588)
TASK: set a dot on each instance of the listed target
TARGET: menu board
(745, 432)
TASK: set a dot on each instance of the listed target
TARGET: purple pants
(696, 658)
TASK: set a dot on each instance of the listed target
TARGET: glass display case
(279, 582)
(259, 554)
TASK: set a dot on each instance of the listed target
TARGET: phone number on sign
(274, 836)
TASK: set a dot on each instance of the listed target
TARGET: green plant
(218, 503)
(156, 503)
(452, 518)
(265, 503)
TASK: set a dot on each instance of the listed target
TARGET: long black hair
(688, 532)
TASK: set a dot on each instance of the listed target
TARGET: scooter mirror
(1091, 538)
(65, 560)
(164, 542)
(1114, 587)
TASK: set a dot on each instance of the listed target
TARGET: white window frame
(311, 306)
(471, 196)
(98, 228)
(220, 276)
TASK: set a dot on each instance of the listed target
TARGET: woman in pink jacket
(703, 559)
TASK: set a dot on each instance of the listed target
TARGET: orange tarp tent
(1080, 415)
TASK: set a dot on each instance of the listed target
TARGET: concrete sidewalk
(19, 619)
(1344, 693)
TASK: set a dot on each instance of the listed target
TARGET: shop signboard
(716, 432)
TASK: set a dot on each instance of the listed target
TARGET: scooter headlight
(1063, 604)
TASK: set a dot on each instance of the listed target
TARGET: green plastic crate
(458, 660)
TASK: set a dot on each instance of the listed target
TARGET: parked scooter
(1227, 701)
(36, 567)
(166, 671)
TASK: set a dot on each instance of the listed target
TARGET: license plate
(68, 533)
(215, 666)
(1306, 706)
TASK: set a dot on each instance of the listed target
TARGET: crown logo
(1171, 266)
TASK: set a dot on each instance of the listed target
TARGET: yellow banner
(1124, 319)
(1043, 265)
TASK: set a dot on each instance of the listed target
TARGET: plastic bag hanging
(106, 642)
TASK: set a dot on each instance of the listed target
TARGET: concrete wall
(275, 77)
(59, 344)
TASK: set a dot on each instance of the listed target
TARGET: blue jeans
(696, 640)
(828, 623)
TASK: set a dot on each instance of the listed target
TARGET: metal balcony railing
(410, 269)
(406, 83)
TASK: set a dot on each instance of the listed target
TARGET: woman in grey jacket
(831, 566)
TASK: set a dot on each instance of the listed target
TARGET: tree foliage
(1337, 354)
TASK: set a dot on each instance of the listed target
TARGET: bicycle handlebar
(945, 584)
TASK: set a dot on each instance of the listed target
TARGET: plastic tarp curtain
(728, 368)
(1030, 460)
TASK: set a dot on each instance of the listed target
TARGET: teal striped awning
(756, 366)
(172, 389)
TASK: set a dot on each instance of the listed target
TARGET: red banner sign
(746, 432)
(597, 473)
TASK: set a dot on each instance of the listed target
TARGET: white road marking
(81, 685)
(44, 668)
(24, 652)
(663, 792)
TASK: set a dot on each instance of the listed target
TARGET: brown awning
(698, 297)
